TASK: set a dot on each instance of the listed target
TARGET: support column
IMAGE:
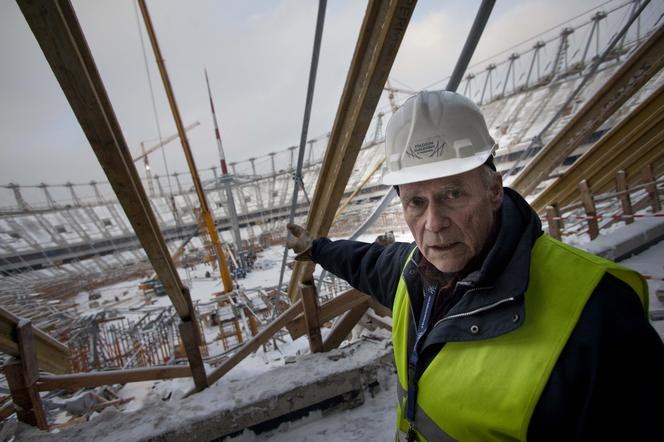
(22, 375)
(310, 305)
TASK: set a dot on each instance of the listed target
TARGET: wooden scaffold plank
(645, 62)
(383, 28)
(22, 374)
(629, 146)
(63, 43)
(52, 355)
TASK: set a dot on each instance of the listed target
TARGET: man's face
(451, 218)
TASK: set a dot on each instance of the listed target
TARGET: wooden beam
(59, 34)
(7, 410)
(635, 141)
(553, 218)
(644, 63)
(193, 338)
(344, 326)
(383, 28)
(21, 375)
(589, 207)
(27, 351)
(96, 379)
(254, 343)
(188, 334)
(310, 307)
(52, 355)
(625, 200)
(653, 194)
(328, 311)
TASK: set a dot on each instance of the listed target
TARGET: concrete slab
(335, 380)
(625, 241)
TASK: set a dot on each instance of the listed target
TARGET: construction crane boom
(165, 141)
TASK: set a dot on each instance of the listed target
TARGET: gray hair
(488, 176)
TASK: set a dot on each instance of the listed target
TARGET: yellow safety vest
(487, 390)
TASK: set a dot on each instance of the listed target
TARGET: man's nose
(436, 219)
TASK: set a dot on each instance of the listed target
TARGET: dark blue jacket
(611, 369)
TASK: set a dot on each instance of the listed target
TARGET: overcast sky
(257, 54)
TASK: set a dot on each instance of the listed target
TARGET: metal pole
(489, 69)
(305, 124)
(471, 43)
(539, 45)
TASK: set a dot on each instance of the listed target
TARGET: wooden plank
(344, 326)
(254, 343)
(653, 194)
(52, 355)
(589, 207)
(192, 347)
(310, 307)
(26, 399)
(625, 200)
(553, 219)
(328, 311)
(645, 62)
(383, 28)
(96, 379)
(635, 141)
(7, 410)
(27, 352)
(59, 34)
(61, 38)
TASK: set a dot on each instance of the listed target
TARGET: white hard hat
(435, 134)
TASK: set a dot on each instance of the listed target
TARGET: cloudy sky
(257, 54)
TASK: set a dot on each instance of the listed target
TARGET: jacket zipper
(477, 310)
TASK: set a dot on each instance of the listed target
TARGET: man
(500, 332)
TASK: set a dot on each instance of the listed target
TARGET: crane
(145, 152)
(390, 96)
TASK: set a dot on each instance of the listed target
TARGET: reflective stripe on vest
(487, 390)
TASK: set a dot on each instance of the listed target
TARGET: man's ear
(496, 192)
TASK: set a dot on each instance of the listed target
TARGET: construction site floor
(336, 380)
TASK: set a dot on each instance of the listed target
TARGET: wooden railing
(597, 212)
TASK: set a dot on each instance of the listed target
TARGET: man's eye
(416, 202)
(453, 194)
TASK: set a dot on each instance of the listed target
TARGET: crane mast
(205, 211)
(225, 177)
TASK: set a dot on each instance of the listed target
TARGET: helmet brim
(440, 169)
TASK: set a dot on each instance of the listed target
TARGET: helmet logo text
(427, 148)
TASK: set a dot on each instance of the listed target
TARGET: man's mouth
(443, 247)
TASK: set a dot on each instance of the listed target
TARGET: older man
(500, 332)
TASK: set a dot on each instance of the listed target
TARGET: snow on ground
(373, 420)
(175, 414)
(650, 263)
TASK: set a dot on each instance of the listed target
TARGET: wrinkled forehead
(467, 180)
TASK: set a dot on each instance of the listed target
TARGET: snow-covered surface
(169, 413)
(619, 239)
(373, 421)
(650, 263)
